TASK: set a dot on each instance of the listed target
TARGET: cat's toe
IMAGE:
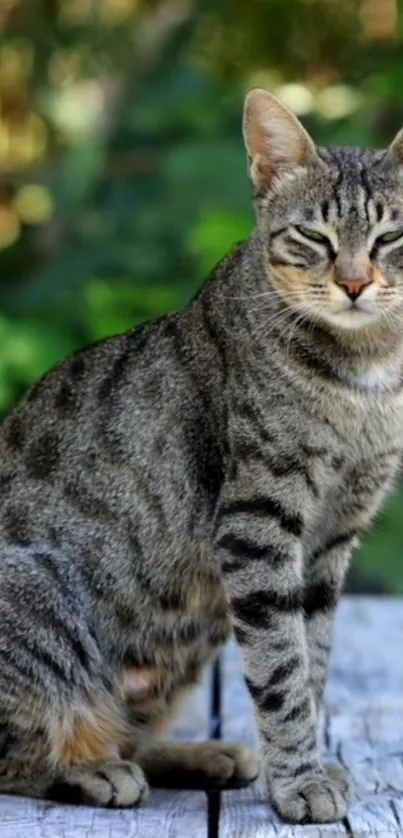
(342, 778)
(115, 784)
(240, 766)
(226, 765)
(313, 798)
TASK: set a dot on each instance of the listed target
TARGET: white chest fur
(375, 379)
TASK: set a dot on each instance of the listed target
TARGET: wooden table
(362, 727)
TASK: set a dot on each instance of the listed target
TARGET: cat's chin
(351, 319)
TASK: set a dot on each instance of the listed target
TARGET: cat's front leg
(365, 487)
(258, 542)
(325, 577)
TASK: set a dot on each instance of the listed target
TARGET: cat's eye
(391, 236)
(313, 235)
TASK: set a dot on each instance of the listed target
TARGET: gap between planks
(169, 814)
(363, 728)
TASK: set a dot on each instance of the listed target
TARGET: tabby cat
(208, 471)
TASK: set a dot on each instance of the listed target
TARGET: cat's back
(99, 396)
(110, 440)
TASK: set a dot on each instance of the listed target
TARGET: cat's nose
(354, 287)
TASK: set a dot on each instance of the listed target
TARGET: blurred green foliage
(122, 170)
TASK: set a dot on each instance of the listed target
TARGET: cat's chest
(366, 422)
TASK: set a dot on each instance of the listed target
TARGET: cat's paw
(231, 766)
(320, 797)
(115, 784)
(342, 778)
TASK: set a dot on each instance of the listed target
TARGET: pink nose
(354, 287)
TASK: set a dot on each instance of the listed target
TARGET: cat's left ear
(275, 140)
(394, 153)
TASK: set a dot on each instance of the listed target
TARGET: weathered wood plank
(365, 710)
(362, 727)
(170, 814)
(247, 812)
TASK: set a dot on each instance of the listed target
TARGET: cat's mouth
(352, 318)
(348, 311)
(355, 314)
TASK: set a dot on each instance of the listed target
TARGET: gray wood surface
(362, 727)
(170, 814)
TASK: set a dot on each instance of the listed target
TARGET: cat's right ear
(274, 138)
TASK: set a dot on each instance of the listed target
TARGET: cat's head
(330, 221)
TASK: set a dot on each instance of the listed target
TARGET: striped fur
(210, 470)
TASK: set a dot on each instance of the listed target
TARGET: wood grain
(362, 727)
(170, 814)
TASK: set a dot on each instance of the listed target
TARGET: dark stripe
(49, 564)
(184, 632)
(309, 357)
(313, 451)
(64, 634)
(374, 252)
(331, 252)
(378, 211)
(47, 660)
(272, 702)
(35, 654)
(338, 541)
(307, 740)
(17, 664)
(228, 566)
(216, 337)
(87, 503)
(341, 540)
(79, 650)
(298, 711)
(77, 366)
(303, 768)
(241, 548)
(280, 232)
(277, 677)
(325, 210)
(253, 609)
(267, 701)
(256, 608)
(320, 597)
(247, 411)
(336, 192)
(367, 190)
(285, 263)
(284, 670)
(265, 507)
(48, 619)
(286, 466)
(245, 550)
(282, 465)
(14, 433)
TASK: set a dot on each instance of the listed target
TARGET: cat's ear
(394, 153)
(275, 140)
